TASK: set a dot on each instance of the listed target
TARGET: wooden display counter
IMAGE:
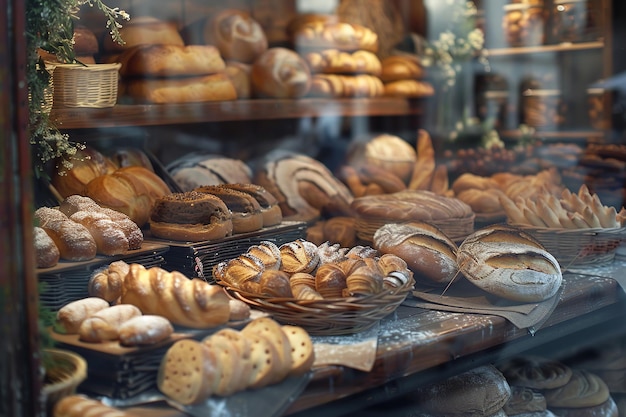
(417, 346)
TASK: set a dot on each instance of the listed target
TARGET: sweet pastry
(280, 73)
(536, 372)
(245, 210)
(509, 263)
(304, 187)
(46, 251)
(270, 210)
(481, 391)
(183, 301)
(190, 216)
(275, 283)
(303, 286)
(427, 251)
(242, 272)
(322, 35)
(299, 256)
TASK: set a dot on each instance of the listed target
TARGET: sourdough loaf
(280, 73)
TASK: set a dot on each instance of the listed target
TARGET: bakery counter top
(417, 346)
(257, 109)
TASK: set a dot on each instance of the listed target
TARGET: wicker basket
(77, 85)
(65, 377)
(329, 316)
(579, 247)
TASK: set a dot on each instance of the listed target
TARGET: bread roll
(508, 263)
(479, 392)
(299, 256)
(321, 35)
(87, 164)
(186, 302)
(73, 240)
(280, 73)
(239, 74)
(144, 30)
(109, 236)
(524, 400)
(46, 251)
(428, 252)
(144, 330)
(190, 216)
(107, 282)
(401, 67)
(268, 253)
(584, 389)
(193, 89)
(70, 316)
(78, 405)
(105, 324)
(302, 351)
(85, 42)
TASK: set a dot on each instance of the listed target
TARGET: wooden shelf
(239, 110)
(562, 47)
(560, 134)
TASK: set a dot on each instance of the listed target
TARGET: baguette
(425, 163)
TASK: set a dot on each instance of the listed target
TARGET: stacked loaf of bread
(261, 354)
(404, 76)
(302, 270)
(158, 67)
(79, 229)
(341, 57)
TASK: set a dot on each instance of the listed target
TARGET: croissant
(187, 302)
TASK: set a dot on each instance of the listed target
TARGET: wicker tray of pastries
(326, 289)
(576, 228)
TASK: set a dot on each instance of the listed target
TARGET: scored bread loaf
(105, 324)
(428, 252)
(509, 263)
(72, 239)
(280, 73)
(187, 302)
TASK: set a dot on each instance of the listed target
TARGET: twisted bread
(338, 85)
(186, 302)
(107, 283)
(109, 236)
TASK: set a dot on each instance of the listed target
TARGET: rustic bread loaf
(72, 239)
(107, 282)
(142, 30)
(79, 405)
(146, 329)
(193, 89)
(46, 251)
(280, 73)
(195, 170)
(245, 210)
(104, 325)
(509, 263)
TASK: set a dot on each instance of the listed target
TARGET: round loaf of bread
(144, 30)
(536, 372)
(280, 73)
(524, 400)
(479, 392)
(191, 217)
(509, 263)
(237, 35)
(428, 252)
(85, 41)
(584, 389)
(401, 67)
(389, 152)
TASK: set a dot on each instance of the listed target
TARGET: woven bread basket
(62, 379)
(330, 316)
(93, 86)
(579, 247)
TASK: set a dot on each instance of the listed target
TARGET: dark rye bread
(272, 214)
(190, 216)
(245, 209)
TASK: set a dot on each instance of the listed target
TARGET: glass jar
(543, 109)
(597, 109)
(524, 24)
(569, 20)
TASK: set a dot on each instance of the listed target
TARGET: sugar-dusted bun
(194, 89)
(73, 240)
(536, 372)
(142, 30)
(280, 73)
(428, 252)
(270, 210)
(479, 392)
(71, 315)
(146, 329)
(161, 60)
(190, 216)
(109, 236)
(401, 67)
(245, 210)
(509, 263)
(46, 251)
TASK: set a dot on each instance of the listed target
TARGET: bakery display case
(272, 189)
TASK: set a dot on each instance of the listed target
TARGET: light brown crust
(203, 88)
(280, 73)
(409, 89)
(144, 30)
(536, 372)
(401, 67)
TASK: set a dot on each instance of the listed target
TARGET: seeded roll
(190, 216)
(245, 209)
